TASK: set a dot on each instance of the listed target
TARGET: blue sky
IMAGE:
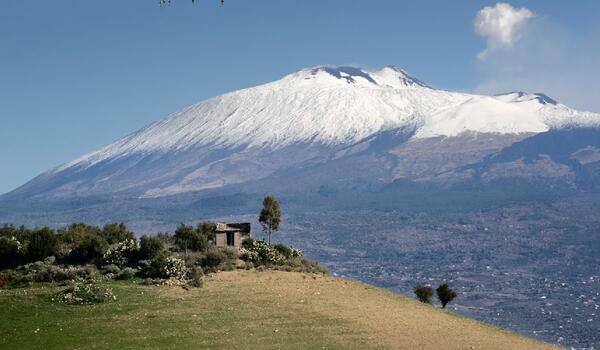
(76, 75)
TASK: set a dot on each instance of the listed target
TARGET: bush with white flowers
(85, 291)
(10, 250)
(119, 253)
(259, 252)
(296, 253)
(174, 268)
(17, 244)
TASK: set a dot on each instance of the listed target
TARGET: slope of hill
(245, 310)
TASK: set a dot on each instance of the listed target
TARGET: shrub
(228, 267)
(7, 230)
(115, 233)
(209, 269)
(207, 228)
(53, 273)
(312, 266)
(252, 256)
(424, 293)
(295, 262)
(283, 250)
(162, 266)
(31, 267)
(445, 294)
(120, 253)
(23, 234)
(4, 280)
(191, 258)
(188, 238)
(195, 276)
(248, 243)
(9, 278)
(213, 258)
(112, 269)
(74, 234)
(10, 251)
(286, 251)
(151, 247)
(90, 250)
(296, 253)
(173, 268)
(148, 268)
(85, 292)
(127, 273)
(231, 254)
(43, 243)
(165, 237)
(260, 253)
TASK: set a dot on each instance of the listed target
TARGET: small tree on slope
(424, 293)
(270, 215)
(445, 294)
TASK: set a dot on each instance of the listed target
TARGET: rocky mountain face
(333, 135)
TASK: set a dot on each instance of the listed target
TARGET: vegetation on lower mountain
(86, 256)
(444, 293)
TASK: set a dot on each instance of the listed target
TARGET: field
(243, 310)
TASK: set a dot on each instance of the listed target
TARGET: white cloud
(500, 25)
(551, 58)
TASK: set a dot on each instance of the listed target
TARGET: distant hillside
(244, 310)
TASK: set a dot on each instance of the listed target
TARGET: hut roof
(243, 227)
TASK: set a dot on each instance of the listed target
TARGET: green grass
(145, 317)
(243, 310)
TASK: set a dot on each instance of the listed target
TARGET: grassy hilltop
(243, 310)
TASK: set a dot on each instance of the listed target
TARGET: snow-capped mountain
(339, 105)
(333, 126)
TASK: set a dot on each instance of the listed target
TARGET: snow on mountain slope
(327, 105)
(338, 105)
(306, 115)
(482, 114)
(520, 96)
(555, 115)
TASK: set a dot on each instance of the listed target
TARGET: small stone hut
(231, 235)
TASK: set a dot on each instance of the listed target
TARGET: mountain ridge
(307, 118)
(145, 139)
